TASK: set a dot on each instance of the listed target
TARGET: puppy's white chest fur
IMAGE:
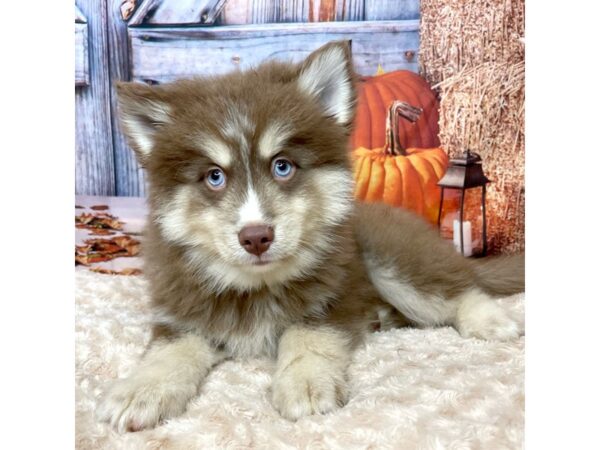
(260, 339)
(253, 333)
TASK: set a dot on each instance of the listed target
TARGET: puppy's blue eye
(283, 169)
(215, 178)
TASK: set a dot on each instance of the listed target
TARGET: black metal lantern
(465, 175)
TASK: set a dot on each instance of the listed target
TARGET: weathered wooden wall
(82, 61)
(129, 177)
(93, 129)
(168, 39)
(165, 54)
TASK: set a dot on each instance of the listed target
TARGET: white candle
(467, 243)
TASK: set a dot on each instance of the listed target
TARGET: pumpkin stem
(392, 135)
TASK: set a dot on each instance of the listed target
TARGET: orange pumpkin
(376, 93)
(398, 176)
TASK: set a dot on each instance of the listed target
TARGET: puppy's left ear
(328, 76)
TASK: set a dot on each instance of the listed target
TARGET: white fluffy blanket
(410, 388)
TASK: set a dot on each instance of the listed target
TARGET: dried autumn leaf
(127, 271)
(90, 258)
(133, 250)
(101, 232)
(125, 240)
(98, 220)
(130, 271)
(105, 249)
(130, 245)
(84, 218)
(99, 207)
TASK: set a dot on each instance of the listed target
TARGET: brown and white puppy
(255, 245)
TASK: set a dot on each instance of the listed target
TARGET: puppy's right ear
(142, 111)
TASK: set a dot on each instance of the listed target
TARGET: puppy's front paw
(481, 317)
(310, 385)
(137, 403)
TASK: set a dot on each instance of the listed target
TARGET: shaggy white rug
(410, 388)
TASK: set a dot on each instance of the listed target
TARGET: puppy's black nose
(256, 239)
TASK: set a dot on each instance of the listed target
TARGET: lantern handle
(396, 110)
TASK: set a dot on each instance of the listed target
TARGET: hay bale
(482, 110)
(458, 34)
(474, 55)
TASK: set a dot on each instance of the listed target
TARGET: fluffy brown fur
(334, 271)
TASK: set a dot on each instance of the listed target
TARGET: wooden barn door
(104, 163)
(160, 40)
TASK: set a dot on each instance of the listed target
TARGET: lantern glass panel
(472, 220)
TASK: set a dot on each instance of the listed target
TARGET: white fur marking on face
(232, 130)
(172, 216)
(272, 139)
(141, 125)
(327, 79)
(217, 151)
(250, 212)
(236, 124)
(336, 187)
(177, 224)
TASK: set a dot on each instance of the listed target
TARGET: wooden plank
(392, 9)
(79, 17)
(325, 11)
(165, 54)
(350, 10)
(129, 177)
(82, 67)
(242, 12)
(238, 12)
(144, 10)
(235, 12)
(296, 11)
(177, 12)
(128, 8)
(265, 11)
(321, 10)
(93, 132)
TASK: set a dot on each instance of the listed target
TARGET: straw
(473, 54)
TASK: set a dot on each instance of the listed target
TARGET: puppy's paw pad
(296, 395)
(136, 404)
